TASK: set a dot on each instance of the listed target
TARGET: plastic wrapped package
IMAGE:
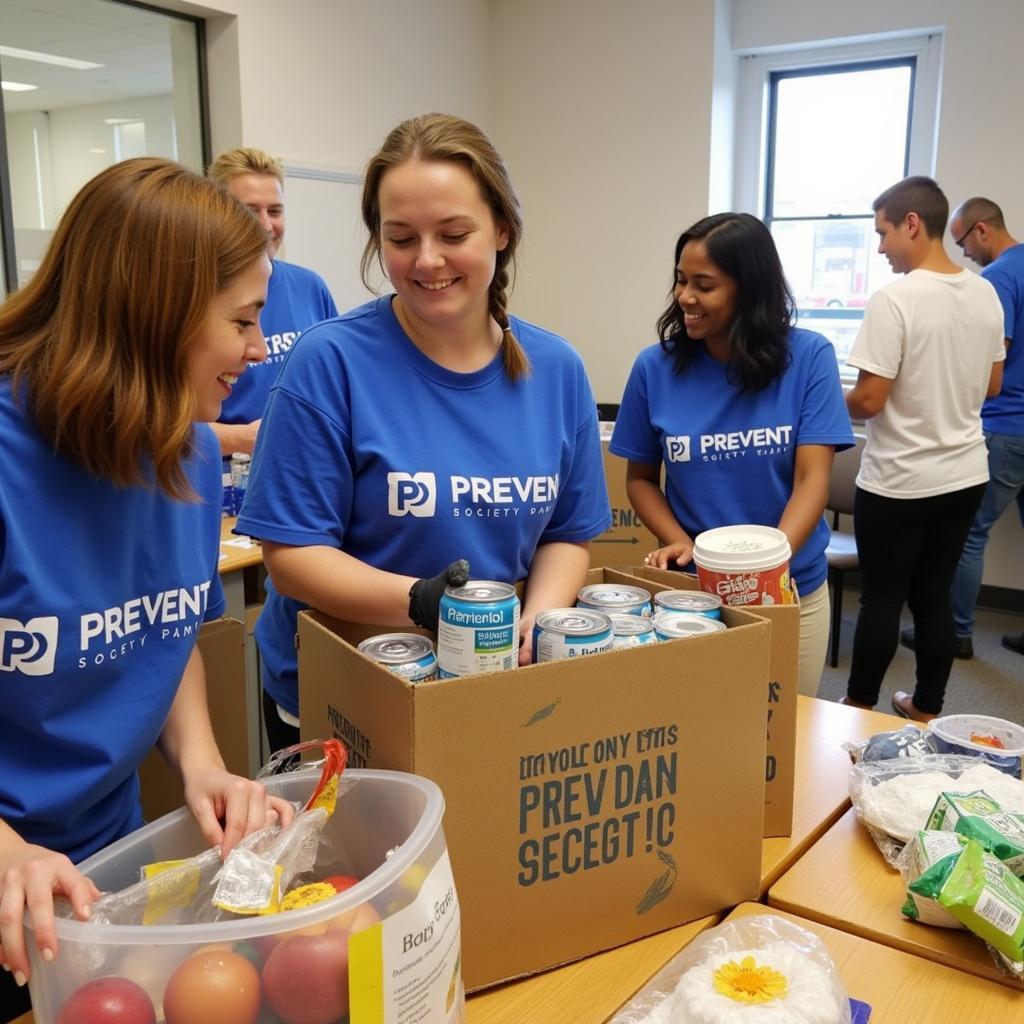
(894, 799)
(925, 863)
(752, 970)
(910, 741)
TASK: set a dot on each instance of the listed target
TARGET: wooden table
(844, 882)
(821, 793)
(901, 988)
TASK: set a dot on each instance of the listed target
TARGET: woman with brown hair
(139, 320)
(426, 425)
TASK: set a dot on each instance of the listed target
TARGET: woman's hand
(526, 641)
(671, 556)
(227, 807)
(30, 876)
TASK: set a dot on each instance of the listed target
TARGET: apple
(305, 978)
(108, 1001)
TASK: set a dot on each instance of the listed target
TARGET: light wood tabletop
(237, 552)
(901, 988)
(821, 792)
(843, 881)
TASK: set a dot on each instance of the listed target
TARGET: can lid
(482, 590)
(613, 595)
(397, 648)
(631, 625)
(573, 621)
(746, 548)
(240, 457)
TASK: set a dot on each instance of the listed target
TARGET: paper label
(407, 969)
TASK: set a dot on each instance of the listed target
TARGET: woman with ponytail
(425, 426)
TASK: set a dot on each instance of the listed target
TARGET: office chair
(842, 547)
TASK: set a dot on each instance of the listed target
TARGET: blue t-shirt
(102, 592)
(297, 298)
(371, 447)
(730, 457)
(1004, 414)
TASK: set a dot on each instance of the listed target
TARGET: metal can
(239, 479)
(614, 598)
(632, 631)
(561, 633)
(406, 654)
(688, 602)
(477, 629)
(672, 626)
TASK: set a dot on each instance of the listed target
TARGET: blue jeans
(1006, 484)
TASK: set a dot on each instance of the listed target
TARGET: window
(87, 83)
(836, 129)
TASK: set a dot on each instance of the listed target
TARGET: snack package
(1001, 834)
(910, 741)
(951, 807)
(894, 799)
(988, 898)
(753, 969)
(925, 864)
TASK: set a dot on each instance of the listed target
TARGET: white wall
(980, 145)
(603, 112)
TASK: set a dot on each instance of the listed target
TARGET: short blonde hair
(98, 340)
(448, 139)
(244, 160)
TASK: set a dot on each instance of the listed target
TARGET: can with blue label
(406, 654)
(614, 599)
(240, 462)
(477, 629)
(632, 631)
(562, 633)
(688, 602)
(673, 625)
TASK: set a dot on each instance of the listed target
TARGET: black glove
(425, 595)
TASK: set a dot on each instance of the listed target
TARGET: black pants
(908, 552)
(279, 734)
(13, 1000)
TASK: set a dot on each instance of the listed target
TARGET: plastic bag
(895, 798)
(925, 863)
(910, 741)
(759, 969)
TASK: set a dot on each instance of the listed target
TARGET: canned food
(406, 654)
(632, 631)
(688, 602)
(561, 633)
(674, 625)
(612, 598)
(477, 629)
(240, 463)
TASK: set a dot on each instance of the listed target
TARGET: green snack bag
(1001, 834)
(988, 898)
(930, 857)
(951, 807)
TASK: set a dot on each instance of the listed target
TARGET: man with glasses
(978, 228)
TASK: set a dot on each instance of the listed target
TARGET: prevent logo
(412, 494)
(677, 448)
(30, 648)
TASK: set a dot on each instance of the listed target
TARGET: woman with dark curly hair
(744, 410)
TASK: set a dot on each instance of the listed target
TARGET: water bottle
(239, 478)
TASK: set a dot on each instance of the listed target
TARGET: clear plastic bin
(386, 831)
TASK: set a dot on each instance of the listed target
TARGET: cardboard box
(588, 802)
(222, 644)
(628, 540)
(783, 689)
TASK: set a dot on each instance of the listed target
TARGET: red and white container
(744, 565)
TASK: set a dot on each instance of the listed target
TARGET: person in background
(978, 228)
(424, 426)
(929, 351)
(142, 314)
(730, 363)
(297, 298)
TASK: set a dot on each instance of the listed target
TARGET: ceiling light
(17, 86)
(121, 120)
(48, 58)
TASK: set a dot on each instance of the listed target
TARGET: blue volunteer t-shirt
(371, 447)
(102, 593)
(1004, 414)
(730, 457)
(297, 298)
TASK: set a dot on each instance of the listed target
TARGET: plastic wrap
(753, 970)
(910, 741)
(894, 798)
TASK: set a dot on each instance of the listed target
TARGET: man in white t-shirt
(929, 352)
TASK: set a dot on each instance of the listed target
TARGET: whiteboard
(324, 229)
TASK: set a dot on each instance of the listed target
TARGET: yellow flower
(747, 983)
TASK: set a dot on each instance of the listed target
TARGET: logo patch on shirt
(412, 494)
(30, 648)
(677, 448)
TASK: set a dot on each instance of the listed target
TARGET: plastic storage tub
(744, 565)
(952, 734)
(386, 831)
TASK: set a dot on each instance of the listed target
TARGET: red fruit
(305, 978)
(341, 882)
(213, 987)
(108, 1001)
